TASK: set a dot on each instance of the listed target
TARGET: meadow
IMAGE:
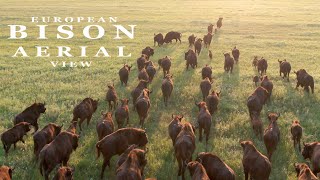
(273, 29)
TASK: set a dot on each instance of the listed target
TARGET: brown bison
(167, 87)
(122, 158)
(45, 136)
(296, 132)
(73, 127)
(256, 79)
(255, 164)
(215, 167)
(158, 39)
(285, 68)
(304, 172)
(191, 59)
(256, 100)
(64, 173)
(133, 166)
(267, 84)
(143, 75)
(148, 51)
(143, 106)
(198, 46)
(124, 74)
(257, 124)
(210, 28)
(31, 115)
(304, 80)
(6, 173)
(122, 113)
(207, 72)
(207, 40)
(105, 125)
(57, 152)
(312, 151)
(171, 36)
(255, 61)
(85, 110)
(151, 70)
(191, 40)
(165, 63)
(204, 120)
(13, 135)
(112, 97)
(205, 87)
(197, 171)
(262, 66)
(219, 22)
(117, 142)
(235, 54)
(175, 127)
(212, 101)
(184, 147)
(210, 55)
(271, 135)
(142, 61)
(137, 91)
(228, 62)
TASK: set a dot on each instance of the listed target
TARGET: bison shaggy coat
(255, 164)
(304, 80)
(236, 54)
(143, 75)
(262, 66)
(158, 38)
(105, 125)
(148, 51)
(271, 135)
(219, 23)
(198, 46)
(124, 74)
(117, 142)
(165, 63)
(151, 70)
(228, 62)
(137, 91)
(191, 59)
(207, 40)
(256, 100)
(204, 120)
(207, 72)
(212, 101)
(171, 36)
(175, 127)
(210, 28)
(85, 110)
(304, 172)
(296, 132)
(142, 61)
(205, 87)
(122, 113)
(215, 167)
(312, 151)
(267, 84)
(167, 88)
(112, 97)
(285, 68)
(197, 171)
(191, 40)
(257, 124)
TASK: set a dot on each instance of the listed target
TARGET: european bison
(167, 87)
(255, 61)
(122, 113)
(31, 115)
(296, 132)
(215, 167)
(85, 110)
(124, 74)
(57, 152)
(235, 54)
(204, 120)
(165, 63)
(207, 40)
(304, 80)
(197, 171)
(191, 40)
(285, 68)
(171, 36)
(13, 135)
(212, 101)
(198, 46)
(228, 62)
(257, 124)
(143, 75)
(312, 151)
(112, 97)
(142, 61)
(256, 79)
(207, 72)
(219, 22)
(210, 54)
(210, 28)
(255, 164)
(184, 147)
(175, 127)
(158, 39)
(137, 91)
(262, 66)
(148, 51)
(205, 87)
(267, 84)
(271, 135)
(6, 173)
(143, 105)
(117, 142)
(45, 136)
(105, 126)
(304, 172)
(122, 158)
(151, 70)
(256, 100)
(64, 173)
(191, 59)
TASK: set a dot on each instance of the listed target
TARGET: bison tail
(98, 150)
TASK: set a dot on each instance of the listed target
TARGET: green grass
(272, 29)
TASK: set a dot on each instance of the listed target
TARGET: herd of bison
(53, 146)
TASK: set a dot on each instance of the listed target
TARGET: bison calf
(124, 74)
(271, 135)
(105, 126)
(167, 87)
(255, 61)
(151, 70)
(219, 22)
(122, 113)
(296, 132)
(204, 120)
(212, 101)
(112, 97)
(205, 87)
(197, 171)
(85, 110)
(256, 79)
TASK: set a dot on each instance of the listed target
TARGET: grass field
(272, 29)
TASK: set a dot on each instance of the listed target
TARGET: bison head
(273, 116)
(247, 145)
(177, 117)
(201, 104)
(124, 101)
(40, 107)
(308, 149)
(26, 126)
(192, 166)
(107, 115)
(143, 138)
(95, 105)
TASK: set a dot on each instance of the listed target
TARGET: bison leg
(179, 164)
(88, 120)
(179, 40)
(200, 133)
(36, 127)
(316, 168)
(299, 145)
(47, 172)
(7, 149)
(110, 106)
(246, 175)
(104, 165)
(80, 122)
